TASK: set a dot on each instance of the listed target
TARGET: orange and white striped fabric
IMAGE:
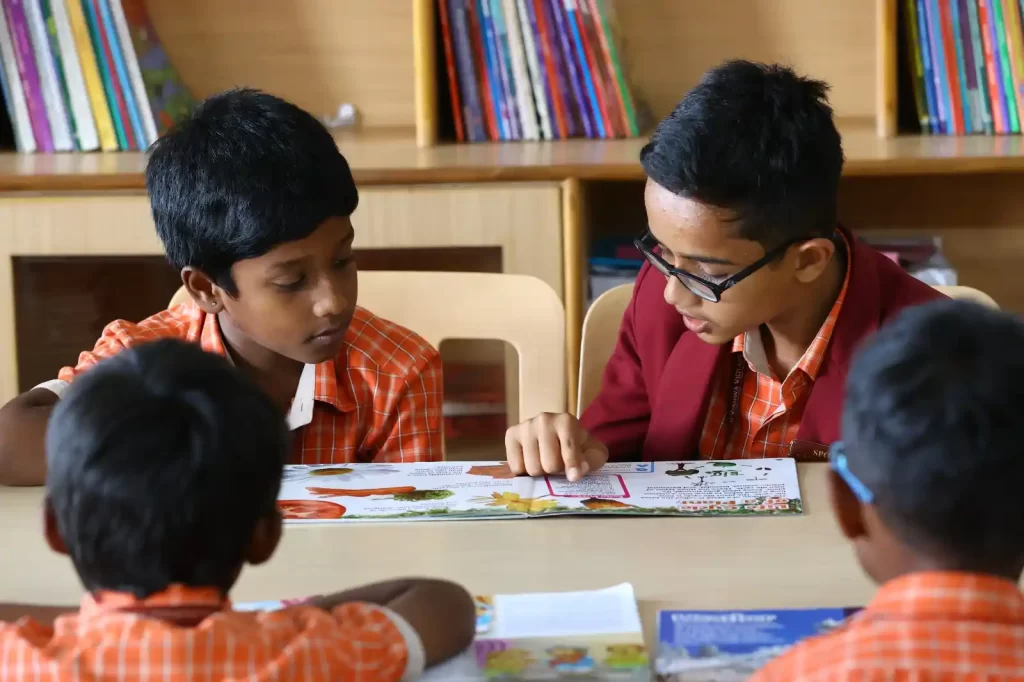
(379, 400)
(770, 410)
(953, 627)
(110, 640)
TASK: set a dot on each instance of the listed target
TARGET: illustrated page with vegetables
(488, 490)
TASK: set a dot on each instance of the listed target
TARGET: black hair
(160, 462)
(244, 173)
(933, 428)
(759, 141)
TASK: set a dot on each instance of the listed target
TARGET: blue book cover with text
(723, 646)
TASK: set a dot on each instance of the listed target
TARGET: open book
(730, 646)
(487, 490)
(593, 635)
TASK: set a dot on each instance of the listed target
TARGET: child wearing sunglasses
(927, 487)
(738, 337)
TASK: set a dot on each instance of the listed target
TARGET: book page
(702, 488)
(560, 614)
(404, 492)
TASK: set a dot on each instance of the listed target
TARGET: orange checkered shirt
(953, 627)
(380, 400)
(106, 640)
(768, 418)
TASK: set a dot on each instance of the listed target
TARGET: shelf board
(392, 158)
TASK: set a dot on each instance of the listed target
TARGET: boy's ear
(203, 289)
(265, 538)
(848, 510)
(813, 257)
(50, 530)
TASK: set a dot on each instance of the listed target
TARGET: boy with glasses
(927, 487)
(738, 337)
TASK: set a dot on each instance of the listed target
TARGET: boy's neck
(277, 375)
(787, 338)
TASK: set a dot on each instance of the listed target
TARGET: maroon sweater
(657, 385)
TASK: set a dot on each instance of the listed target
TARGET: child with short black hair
(164, 466)
(927, 486)
(253, 203)
(743, 319)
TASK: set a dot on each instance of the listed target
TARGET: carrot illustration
(364, 492)
(598, 503)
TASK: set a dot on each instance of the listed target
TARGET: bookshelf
(542, 203)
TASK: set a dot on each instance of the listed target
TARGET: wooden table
(711, 563)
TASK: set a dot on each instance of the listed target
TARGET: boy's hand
(22, 434)
(552, 444)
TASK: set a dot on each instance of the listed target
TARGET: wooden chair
(521, 310)
(601, 327)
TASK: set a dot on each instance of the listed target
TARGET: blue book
(715, 646)
(117, 50)
(508, 81)
(966, 96)
(929, 75)
(490, 41)
(472, 106)
(979, 66)
(943, 95)
(588, 78)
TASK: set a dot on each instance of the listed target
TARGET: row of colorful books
(82, 75)
(535, 69)
(967, 64)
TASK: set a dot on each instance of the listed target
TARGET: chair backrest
(969, 294)
(601, 326)
(521, 310)
(600, 332)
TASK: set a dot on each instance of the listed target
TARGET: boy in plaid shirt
(928, 487)
(253, 203)
(164, 466)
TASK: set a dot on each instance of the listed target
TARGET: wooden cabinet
(70, 263)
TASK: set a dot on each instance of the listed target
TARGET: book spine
(1016, 46)
(970, 9)
(604, 16)
(81, 110)
(926, 62)
(53, 101)
(591, 103)
(595, 67)
(942, 95)
(136, 86)
(916, 65)
(447, 38)
(565, 41)
(520, 77)
(133, 128)
(91, 73)
(29, 74)
(472, 109)
(508, 84)
(954, 56)
(52, 48)
(553, 44)
(494, 70)
(965, 58)
(483, 82)
(993, 77)
(110, 84)
(541, 94)
(14, 94)
(546, 54)
(1004, 65)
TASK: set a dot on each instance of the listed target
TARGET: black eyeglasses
(709, 291)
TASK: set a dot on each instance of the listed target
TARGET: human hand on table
(552, 444)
